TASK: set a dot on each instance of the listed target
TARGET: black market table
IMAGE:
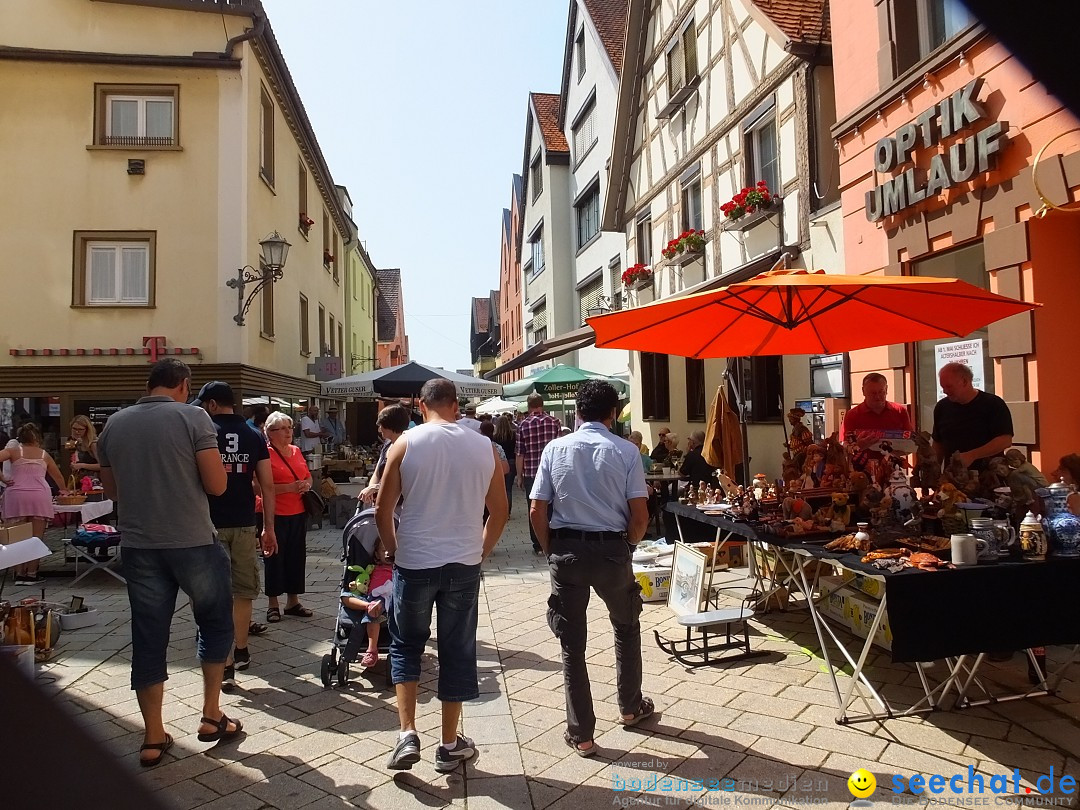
(956, 615)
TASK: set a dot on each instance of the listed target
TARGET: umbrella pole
(737, 390)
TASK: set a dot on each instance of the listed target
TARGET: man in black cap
(245, 456)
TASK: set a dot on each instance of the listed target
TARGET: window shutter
(676, 76)
(690, 51)
(133, 274)
(101, 281)
(590, 296)
(539, 320)
(585, 132)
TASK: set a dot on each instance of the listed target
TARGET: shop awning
(546, 350)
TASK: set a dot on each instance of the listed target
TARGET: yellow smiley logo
(862, 783)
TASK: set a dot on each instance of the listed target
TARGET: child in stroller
(365, 598)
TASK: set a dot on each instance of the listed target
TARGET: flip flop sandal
(222, 732)
(581, 752)
(299, 610)
(273, 615)
(161, 746)
(646, 709)
(256, 629)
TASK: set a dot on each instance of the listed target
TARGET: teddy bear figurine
(839, 512)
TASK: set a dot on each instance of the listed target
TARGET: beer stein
(983, 529)
(1007, 538)
(1032, 538)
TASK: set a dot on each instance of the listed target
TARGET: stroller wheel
(327, 671)
(342, 673)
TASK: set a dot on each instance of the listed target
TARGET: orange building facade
(939, 127)
(511, 330)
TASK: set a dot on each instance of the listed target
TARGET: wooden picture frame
(687, 593)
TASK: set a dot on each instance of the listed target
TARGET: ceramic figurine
(1023, 477)
(993, 477)
(927, 473)
(801, 438)
(1063, 527)
(953, 520)
(899, 490)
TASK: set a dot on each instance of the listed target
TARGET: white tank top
(445, 475)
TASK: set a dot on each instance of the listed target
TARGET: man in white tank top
(446, 474)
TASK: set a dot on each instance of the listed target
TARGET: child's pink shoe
(369, 660)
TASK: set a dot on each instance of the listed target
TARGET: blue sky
(419, 108)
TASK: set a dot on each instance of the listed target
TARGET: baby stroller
(358, 540)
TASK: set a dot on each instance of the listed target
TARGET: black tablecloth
(699, 531)
(979, 608)
(957, 611)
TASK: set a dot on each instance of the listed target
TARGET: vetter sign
(964, 159)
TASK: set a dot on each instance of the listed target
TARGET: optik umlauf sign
(965, 157)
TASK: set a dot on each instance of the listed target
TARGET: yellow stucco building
(149, 147)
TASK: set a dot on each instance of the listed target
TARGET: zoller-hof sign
(965, 157)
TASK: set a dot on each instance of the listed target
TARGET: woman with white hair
(285, 571)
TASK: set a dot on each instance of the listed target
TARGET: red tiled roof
(481, 310)
(800, 20)
(389, 303)
(609, 17)
(547, 119)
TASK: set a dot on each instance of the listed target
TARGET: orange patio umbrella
(798, 312)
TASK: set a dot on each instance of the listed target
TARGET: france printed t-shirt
(241, 449)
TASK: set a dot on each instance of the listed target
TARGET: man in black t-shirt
(971, 423)
(245, 456)
(694, 465)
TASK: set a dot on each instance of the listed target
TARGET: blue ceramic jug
(1062, 526)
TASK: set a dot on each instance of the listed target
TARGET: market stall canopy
(560, 382)
(798, 312)
(406, 381)
(546, 350)
(497, 405)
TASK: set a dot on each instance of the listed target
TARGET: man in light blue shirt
(595, 484)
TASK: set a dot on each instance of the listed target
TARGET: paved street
(768, 723)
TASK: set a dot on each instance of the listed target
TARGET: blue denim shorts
(154, 578)
(454, 590)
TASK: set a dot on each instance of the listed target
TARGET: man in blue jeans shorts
(159, 460)
(446, 474)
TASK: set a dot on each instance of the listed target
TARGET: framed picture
(687, 581)
(76, 604)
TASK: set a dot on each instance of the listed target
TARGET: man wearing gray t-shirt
(159, 460)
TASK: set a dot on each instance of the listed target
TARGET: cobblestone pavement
(767, 723)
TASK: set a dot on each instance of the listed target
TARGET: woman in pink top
(29, 496)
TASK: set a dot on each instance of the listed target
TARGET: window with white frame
(117, 273)
(583, 131)
(536, 176)
(690, 192)
(579, 53)
(114, 269)
(644, 240)
(762, 153)
(136, 115)
(587, 214)
(536, 250)
(682, 66)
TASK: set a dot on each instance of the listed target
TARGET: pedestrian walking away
(159, 460)
(447, 474)
(533, 434)
(594, 483)
(246, 459)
